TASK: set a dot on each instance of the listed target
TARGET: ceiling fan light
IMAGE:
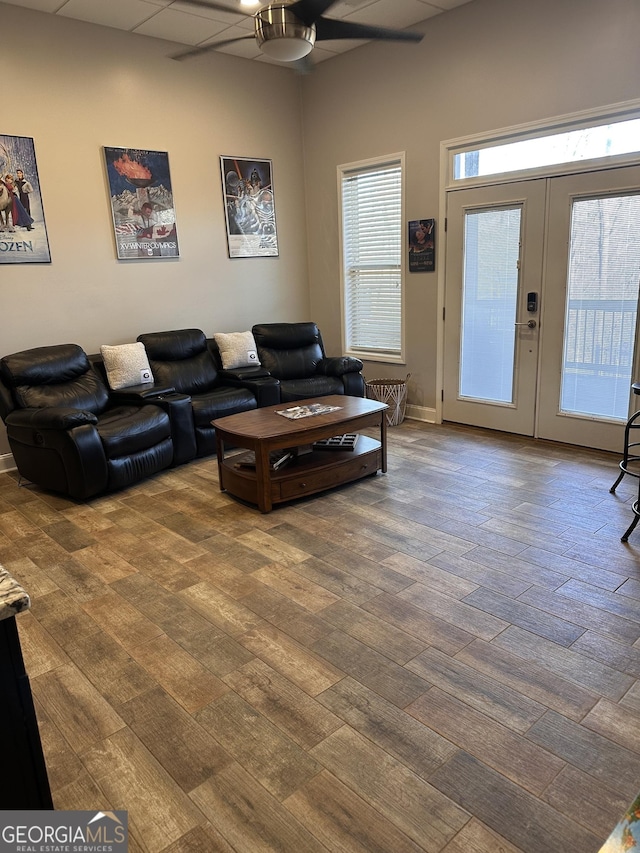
(283, 36)
(287, 49)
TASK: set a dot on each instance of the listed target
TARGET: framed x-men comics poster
(144, 219)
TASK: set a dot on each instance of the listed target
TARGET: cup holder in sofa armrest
(142, 392)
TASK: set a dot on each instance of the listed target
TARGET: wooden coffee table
(264, 431)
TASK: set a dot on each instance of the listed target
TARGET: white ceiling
(179, 22)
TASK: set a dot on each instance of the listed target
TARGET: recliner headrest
(286, 335)
(44, 365)
(174, 345)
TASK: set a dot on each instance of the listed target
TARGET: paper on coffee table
(296, 412)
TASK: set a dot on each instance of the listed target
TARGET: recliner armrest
(140, 393)
(243, 373)
(339, 365)
(53, 417)
(7, 403)
(264, 387)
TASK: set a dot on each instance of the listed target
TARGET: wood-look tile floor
(443, 658)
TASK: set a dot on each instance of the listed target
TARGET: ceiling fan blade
(220, 7)
(310, 10)
(327, 28)
(205, 48)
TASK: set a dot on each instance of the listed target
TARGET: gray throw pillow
(126, 365)
(237, 349)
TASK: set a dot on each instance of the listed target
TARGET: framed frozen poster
(144, 219)
(249, 207)
(23, 232)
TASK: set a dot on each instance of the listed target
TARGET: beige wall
(75, 87)
(485, 65)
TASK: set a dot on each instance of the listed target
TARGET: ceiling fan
(287, 31)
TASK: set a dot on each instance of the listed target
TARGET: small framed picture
(249, 207)
(144, 219)
(422, 245)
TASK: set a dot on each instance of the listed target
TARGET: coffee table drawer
(330, 475)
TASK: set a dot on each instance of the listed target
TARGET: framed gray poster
(249, 207)
(144, 219)
(23, 232)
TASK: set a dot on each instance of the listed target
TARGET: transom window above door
(567, 146)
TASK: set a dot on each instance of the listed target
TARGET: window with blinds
(371, 209)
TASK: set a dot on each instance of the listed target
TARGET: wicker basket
(393, 392)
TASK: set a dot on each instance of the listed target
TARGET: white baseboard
(6, 462)
(421, 413)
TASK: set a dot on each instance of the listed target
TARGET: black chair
(294, 354)
(65, 433)
(182, 360)
(630, 463)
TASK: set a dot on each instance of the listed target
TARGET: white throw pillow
(126, 365)
(237, 349)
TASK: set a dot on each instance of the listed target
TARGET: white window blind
(372, 257)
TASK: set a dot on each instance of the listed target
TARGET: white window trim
(342, 170)
(574, 121)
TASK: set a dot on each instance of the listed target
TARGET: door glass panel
(601, 307)
(489, 304)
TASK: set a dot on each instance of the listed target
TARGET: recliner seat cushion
(126, 470)
(54, 376)
(220, 403)
(313, 386)
(126, 430)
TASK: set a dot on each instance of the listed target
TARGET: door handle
(530, 323)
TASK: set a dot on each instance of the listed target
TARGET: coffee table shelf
(263, 431)
(306, 475)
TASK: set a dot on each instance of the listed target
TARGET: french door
(541, 306)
